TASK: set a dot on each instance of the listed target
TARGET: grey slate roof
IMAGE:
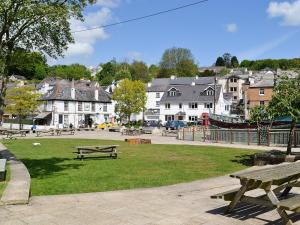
(161, 84)
(84, 91)
(263, 83)
(190, 93)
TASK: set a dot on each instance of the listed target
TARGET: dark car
(152, 123)
(175, 124)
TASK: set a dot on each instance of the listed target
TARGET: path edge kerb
(17, 191)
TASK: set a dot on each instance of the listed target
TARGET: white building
(80, 103)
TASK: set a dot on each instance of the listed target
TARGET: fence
(267, 137)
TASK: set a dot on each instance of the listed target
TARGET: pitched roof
(263, 83)
(188, 93)
(84, 91)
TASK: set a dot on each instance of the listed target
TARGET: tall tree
(220, 61)
(22, 101)
(234, 62)
(107, 74)
(153, 71)
(227, 59)
(187, 68)
(73, 71)
(40, 25)
(286, 102)
(139, 71)
(130, 97)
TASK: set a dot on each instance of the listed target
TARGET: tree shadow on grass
(244, 211)
(41, 168)
(246, 160)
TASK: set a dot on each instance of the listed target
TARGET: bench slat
(227, 195)
(290, 204)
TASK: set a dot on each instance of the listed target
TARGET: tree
(258, 114)
(130, 97)
(286, 102)
(186, 68)
(73, 71)
(220, 61)
(107, 74)
(139, 71)
(153, 71)
(123, 74)
(234, 62)
(171, 58)
(40, 25)
(22, 101)
(227, 59)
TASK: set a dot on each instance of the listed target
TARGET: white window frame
(167, 106)
(157, 104)
(208, 105)
(157, 95)
(261, 91)
(193, 105)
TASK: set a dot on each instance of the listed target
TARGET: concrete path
(18, 188)
(156, 139)
(182, 204)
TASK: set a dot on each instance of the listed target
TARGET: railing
(267, 137)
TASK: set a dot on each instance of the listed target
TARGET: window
(169, 117)
(93, 107)
(232, 89)
(60, 119)
(157, 104)
(180, 105)
(193, 118)
(209, 92)
(233, 80)
(106, 117)
(208, 105)
(87, 106)
(79, 106)
(227, 107)
(262, 102)
(66, 106)
(172, 92)
(261, 91)
(66, 119)
(105, 107)
(157, 95)
(167, 106)
(193, 105)
(235, 97)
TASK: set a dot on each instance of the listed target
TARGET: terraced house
(80, 103)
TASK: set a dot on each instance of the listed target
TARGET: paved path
(18, 188)
(182, 204)
(156, 139)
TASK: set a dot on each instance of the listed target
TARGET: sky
(249, 29)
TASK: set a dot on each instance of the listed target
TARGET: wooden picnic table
(276, 182)
(10, 133)
(83, 151)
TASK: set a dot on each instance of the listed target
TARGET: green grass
(54, 170)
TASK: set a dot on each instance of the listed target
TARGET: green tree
(258, 114)
(227, 59)
(234, 62)
(186, 68)
(40, 25)
(123, 74)
(220, 61)
(130, 97)
(74, 71)
(207, 73)
(153, 71)
(139, 71)
(107, 74)
(286, 102)
(22, 102)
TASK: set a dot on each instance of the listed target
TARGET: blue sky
(250, 29)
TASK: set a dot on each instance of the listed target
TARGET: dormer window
(172, 92)
(210, 92)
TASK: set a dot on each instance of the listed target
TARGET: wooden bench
(10, 134)
(169, 133)
(226, 195)
(2, 169)
(290, 204)
(39, 132)
(83, 151)
(65, 130)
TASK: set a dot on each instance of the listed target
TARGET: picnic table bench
(65, 130)
(10, 134)
(276, 182)
(50, 131)
(169, 133)
(83, 151)
(131, 132)
(2, 169)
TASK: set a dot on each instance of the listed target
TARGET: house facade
(76, 103)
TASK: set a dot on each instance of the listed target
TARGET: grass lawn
(54, 170)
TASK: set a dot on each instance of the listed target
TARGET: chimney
(173, 77)
(72, 89)
(96, 94)
(197, 77)
(149, 84)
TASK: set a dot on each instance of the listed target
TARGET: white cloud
(232, 27)
(84, 41)
(269, 46)
(108, 3)
(290, 12)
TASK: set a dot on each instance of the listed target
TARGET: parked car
(105, 125)
(175, 124)
(152, 123)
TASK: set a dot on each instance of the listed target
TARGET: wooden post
(193, 133)
(294, 138)
(231, 136)
(269, 137)
(204, 134)
(217, 139)
(183, 133)
(248, 136)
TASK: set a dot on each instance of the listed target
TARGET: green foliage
(139, 71)
(153, 71)
(258, 114)
(224, 72)
(123, 74)
(284, 64)
(234, 62)
(75, 71)
(130, 97)
(22, 101)
(207, 73)
(220, 61)
(227, 60)
(177, 61)
(31, 65)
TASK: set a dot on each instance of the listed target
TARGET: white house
(80, 103)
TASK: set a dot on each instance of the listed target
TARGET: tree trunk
(20, 122)
(291, 137)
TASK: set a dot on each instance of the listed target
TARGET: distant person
(33, 128)
(71, 126)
